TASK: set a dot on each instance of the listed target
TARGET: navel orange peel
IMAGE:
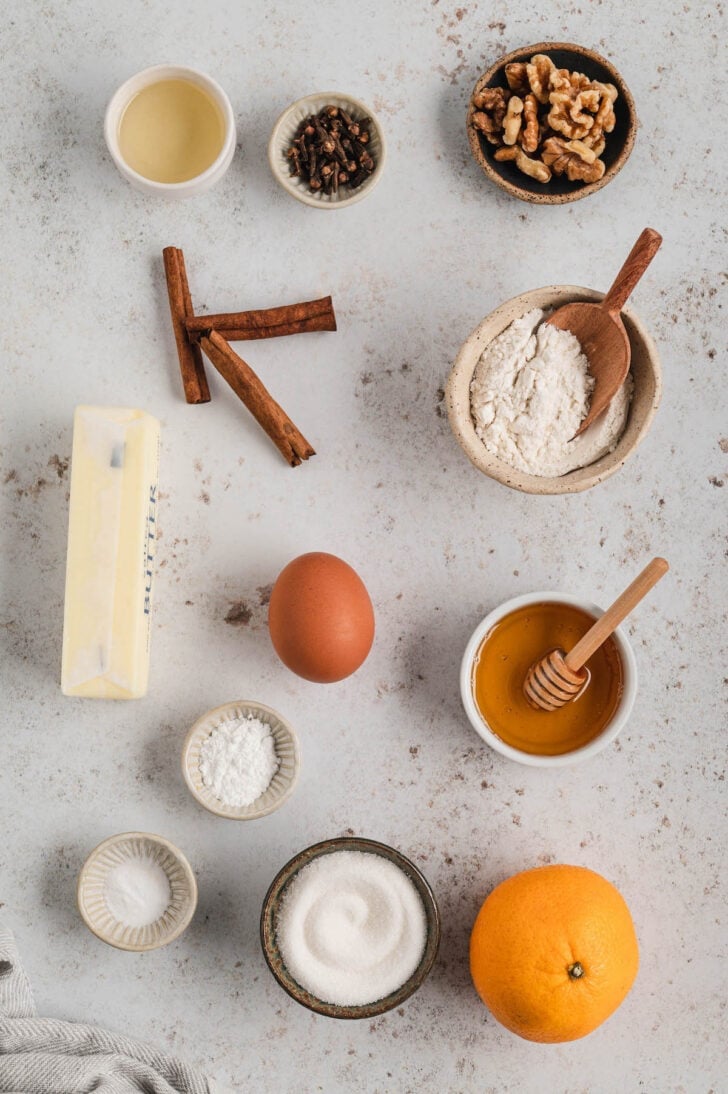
(553, 952)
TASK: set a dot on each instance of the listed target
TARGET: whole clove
(329, 151)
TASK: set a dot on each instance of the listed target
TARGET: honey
(171, 131)
(500, 666)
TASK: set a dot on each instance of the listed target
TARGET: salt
(351, 928)
(137, 892)
(238, 760)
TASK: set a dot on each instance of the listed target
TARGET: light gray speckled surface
(387, 753)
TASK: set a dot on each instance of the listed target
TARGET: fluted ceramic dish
(286, 748)
(124, 848)
(645, 370)
(269, 916)
(559, 189)
(285, 130)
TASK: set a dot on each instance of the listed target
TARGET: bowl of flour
(519, 390)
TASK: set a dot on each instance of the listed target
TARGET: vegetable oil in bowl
(171, 131)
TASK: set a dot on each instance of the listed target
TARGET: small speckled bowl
(269, 914)
(286, 747)
(92, 901)
(645, 369)
(610, 731)
(559, 189)
(285, 130)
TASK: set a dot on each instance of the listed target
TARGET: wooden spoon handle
(613, 616)
(634, 266)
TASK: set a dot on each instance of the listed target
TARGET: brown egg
(320, 618)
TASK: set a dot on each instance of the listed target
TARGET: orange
(553, 952)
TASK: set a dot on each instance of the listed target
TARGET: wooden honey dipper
(558, 677)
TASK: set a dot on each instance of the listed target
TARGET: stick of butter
(111, 534)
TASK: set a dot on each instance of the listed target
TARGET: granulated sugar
(238, 760)
(351, 928)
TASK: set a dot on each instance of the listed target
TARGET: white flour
(529, 394)
(238, 760)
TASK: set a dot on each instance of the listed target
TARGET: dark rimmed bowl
(272, 903)
(559, 190)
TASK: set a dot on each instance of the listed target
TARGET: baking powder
(137, 892)
(238, 760)
(351, 928)
(530, 393)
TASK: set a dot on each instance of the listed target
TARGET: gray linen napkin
(48, 1056)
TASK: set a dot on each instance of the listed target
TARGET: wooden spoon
(600, 330)
(556, 678)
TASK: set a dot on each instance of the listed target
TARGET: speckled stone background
(388, 753)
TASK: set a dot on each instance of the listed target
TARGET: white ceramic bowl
(645, 369)
(285, 130)
(286, 747)
(92, 902)
(478, 722)
(120, 100)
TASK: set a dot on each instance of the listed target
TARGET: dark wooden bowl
(559, 190)
(269, 913)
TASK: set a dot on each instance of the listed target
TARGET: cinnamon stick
(303, 318)
(285, 436)
(191, 366)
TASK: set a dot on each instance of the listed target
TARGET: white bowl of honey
(170, 131)
(500, 652)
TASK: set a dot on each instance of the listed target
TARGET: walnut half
(572, 158)
(512, 122)
(517, 77)
(536, 169)
(490, 110)
(529, 135)
(574, 103)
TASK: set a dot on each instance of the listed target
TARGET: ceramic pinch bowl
(285, 130)
(559, 189)
(272, 903)
(564, 759)
(286, 747)
(645, 370)
(123, 848)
